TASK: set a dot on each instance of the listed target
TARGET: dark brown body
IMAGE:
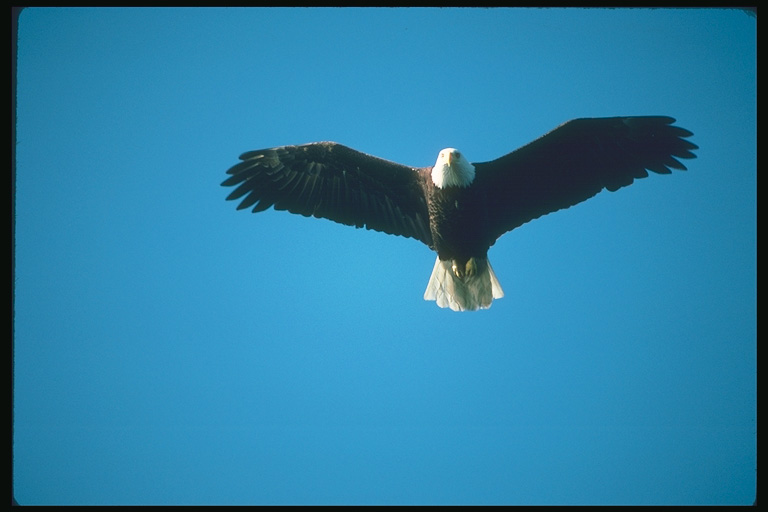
(458, 220)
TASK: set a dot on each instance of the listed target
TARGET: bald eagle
(457, 208)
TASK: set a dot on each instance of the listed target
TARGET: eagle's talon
(457, 271)
(471, 267)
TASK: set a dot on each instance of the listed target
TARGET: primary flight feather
(457, 208)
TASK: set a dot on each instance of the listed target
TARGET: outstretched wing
(574, 162)
(328, 180)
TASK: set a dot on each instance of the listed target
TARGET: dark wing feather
(576, 161)
(328, 180)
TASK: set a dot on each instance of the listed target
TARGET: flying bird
(457, 208)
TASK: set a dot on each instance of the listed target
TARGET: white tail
(463, 294)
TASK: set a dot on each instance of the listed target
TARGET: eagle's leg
(469, 270)
(471, 267)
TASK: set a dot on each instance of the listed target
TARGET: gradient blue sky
(172, 350)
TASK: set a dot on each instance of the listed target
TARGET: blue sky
(169, 349)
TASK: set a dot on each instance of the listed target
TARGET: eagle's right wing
(328, 180)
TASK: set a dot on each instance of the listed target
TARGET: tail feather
(463, 294)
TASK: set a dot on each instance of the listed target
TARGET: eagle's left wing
(574, 162)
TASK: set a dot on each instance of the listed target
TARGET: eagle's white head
(452, 170)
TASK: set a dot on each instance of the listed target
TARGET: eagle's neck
(452, 170)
